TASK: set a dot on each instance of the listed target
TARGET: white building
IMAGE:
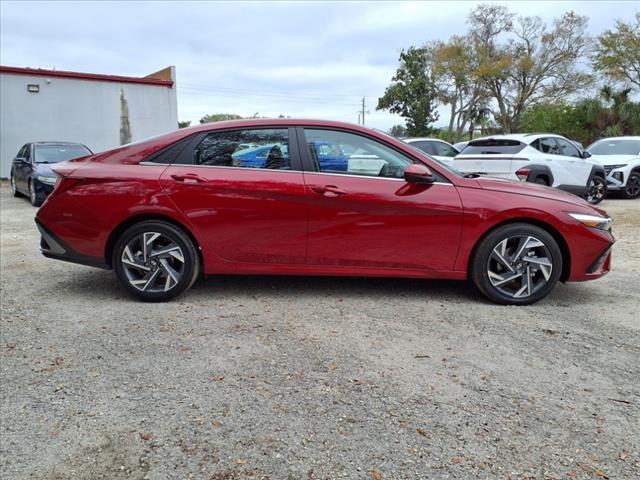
(99, 111)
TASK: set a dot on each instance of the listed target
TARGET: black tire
(14, 187)
(541, 181)
(632, 188)
(35, 199)
(190, 263)
(596, 190)
(483, 259)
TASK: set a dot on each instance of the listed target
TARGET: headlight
(47, 180)
(593, 221)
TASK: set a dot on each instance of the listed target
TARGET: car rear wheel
(35, 199)
(632, 189)
(155, 261)
(516, 264)
(541, 181)
(596, 189)
(14, 187)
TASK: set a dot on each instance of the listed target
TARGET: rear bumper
(52, 246)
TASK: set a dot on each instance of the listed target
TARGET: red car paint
(258, 221)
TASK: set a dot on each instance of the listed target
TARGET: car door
(370, 217)
(570, 156)
(248, 211)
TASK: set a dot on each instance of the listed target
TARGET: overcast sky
(303, 59)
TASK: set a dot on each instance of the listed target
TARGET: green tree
(523, 62)
(611, 114)
(413, 93)
(617, 52)
(184, 124)
(398, 131)
(219, 117)
(455, 73)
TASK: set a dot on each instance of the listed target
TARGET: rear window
(493, 146)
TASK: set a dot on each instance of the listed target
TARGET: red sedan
(306, 197)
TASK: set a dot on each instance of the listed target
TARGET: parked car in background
(162, 211)
(31, 174)
(620, 157)
(435, 148)
(542, 158)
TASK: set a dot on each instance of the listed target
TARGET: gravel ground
(314, 378)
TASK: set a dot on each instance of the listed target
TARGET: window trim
(309, 166)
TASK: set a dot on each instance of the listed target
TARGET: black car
(30, 172)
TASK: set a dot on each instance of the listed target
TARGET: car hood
(614, 159)
(44, 169)
(531, 189)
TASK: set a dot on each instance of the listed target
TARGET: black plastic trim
(59, 250)
(537, 171)
(600, 260)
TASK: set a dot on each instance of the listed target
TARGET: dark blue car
(31, 174)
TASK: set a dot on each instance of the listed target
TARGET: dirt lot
(314, 378)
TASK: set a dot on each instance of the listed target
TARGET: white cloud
(304, 59)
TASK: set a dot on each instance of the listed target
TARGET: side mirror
(418, 173)
(585, 154)
(20, 160)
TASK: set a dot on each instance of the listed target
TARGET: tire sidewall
(33, 195)
(491, 240)
(636, 173)
(177, 235)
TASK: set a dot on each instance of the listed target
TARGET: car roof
(57, 143)
(523, 137)
(628, 137)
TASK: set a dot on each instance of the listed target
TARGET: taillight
(65, 183)
(523, 174)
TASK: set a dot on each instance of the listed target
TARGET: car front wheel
(596, 189)
(14, 187)
(516, 264)
(35, 199)
(155, 261)
(632, 189)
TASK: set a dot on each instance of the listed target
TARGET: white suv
(621, 159)
(543, 158)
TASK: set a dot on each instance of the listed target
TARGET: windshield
(59, 153)
(615, 147)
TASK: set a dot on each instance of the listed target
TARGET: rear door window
(493, 146)
(251, 148)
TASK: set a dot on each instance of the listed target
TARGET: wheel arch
(564, 248)
(125, 224)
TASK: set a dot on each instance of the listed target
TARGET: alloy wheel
(152, 262)
(519, 266)
(633, 185)
(596, 189)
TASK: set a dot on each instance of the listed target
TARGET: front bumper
(53, 247)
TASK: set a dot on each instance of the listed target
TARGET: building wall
(84, 111)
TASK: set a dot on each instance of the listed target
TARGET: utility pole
(361, 113)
